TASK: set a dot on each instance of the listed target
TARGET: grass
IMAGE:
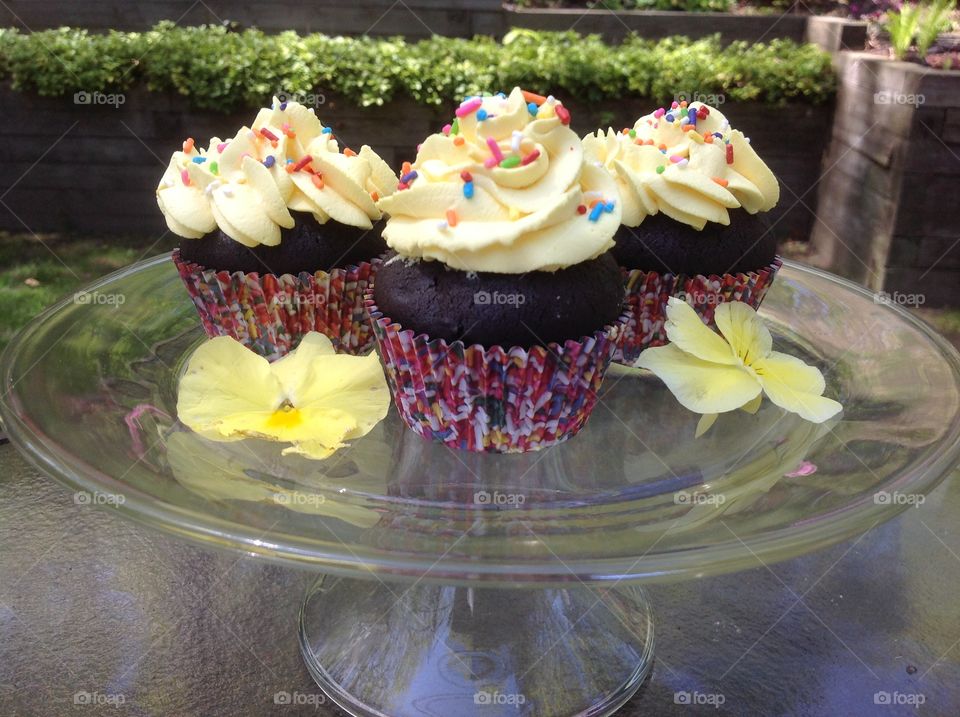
(37, 271)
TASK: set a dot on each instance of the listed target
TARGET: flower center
(286, 416)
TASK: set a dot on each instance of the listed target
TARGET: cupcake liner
(648, 292)
(270, 314)
(491, 399)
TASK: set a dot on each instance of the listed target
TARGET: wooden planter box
(888, 211)
(93, 168)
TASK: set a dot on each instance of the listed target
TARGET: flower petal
(795, 386)
(699, 385)
(686, 330)
(753, 406)
(224, 378)
(744, 330)
(705, 422)
(294, 371)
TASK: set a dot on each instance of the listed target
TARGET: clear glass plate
(90, 396)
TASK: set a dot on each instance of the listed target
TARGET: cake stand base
(390, 649)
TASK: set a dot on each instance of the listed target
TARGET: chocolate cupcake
(498, 314)
(281, 232)
(693, 192)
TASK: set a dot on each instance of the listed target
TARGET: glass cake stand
(457, 583)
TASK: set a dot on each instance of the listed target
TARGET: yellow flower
(313, 398)
(711, 374)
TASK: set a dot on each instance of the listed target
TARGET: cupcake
(280, 231)
(692, 190)
(498, 314)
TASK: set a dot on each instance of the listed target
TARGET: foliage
(917, 24)
(220, 69)
(678, 5)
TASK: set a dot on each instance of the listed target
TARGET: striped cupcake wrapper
(491, 399)
(648, 292)
(270, 314)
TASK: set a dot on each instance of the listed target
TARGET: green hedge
(219, 69)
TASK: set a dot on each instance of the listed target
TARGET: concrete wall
(86, 168)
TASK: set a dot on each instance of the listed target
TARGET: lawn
(35, 271)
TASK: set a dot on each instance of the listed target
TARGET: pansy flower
(312, 398)
(712, 373)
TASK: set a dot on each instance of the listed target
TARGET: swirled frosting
(686, 162)
(503, 189)
(247, 185)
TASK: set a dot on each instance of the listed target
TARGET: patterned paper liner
(270, 314)
(648, 292)
(491, 399)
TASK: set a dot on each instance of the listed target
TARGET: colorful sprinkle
(283, 106)
(468, 190)
(564, 114)
(409, 177)
(317, 181)
(185, 178)
(719, 180)
(532, 109)
(532, 157)
(304, 161)
(516, 140)
(533, 99)
(596, 211)
(347, 152)
(214, 168)
(446, 129)
(451, 218)
(269, 135)
(188, 145)
(326, 130)
(659, 113)
(481, 116)
(510, 162)
(222, 146)
(455, 127)
(581, 209)
(729, 154)
(495, 149)
(199, 160)
(490, 162)
(406, 168)
(674, 105)
(468, 107)
(466, 176)
(668, 118)
(660, 169)
(692, 116)
(675, 158)
(459, 141)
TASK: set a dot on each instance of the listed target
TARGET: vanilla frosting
(286, 161)
(686, 162)
(503, 189)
